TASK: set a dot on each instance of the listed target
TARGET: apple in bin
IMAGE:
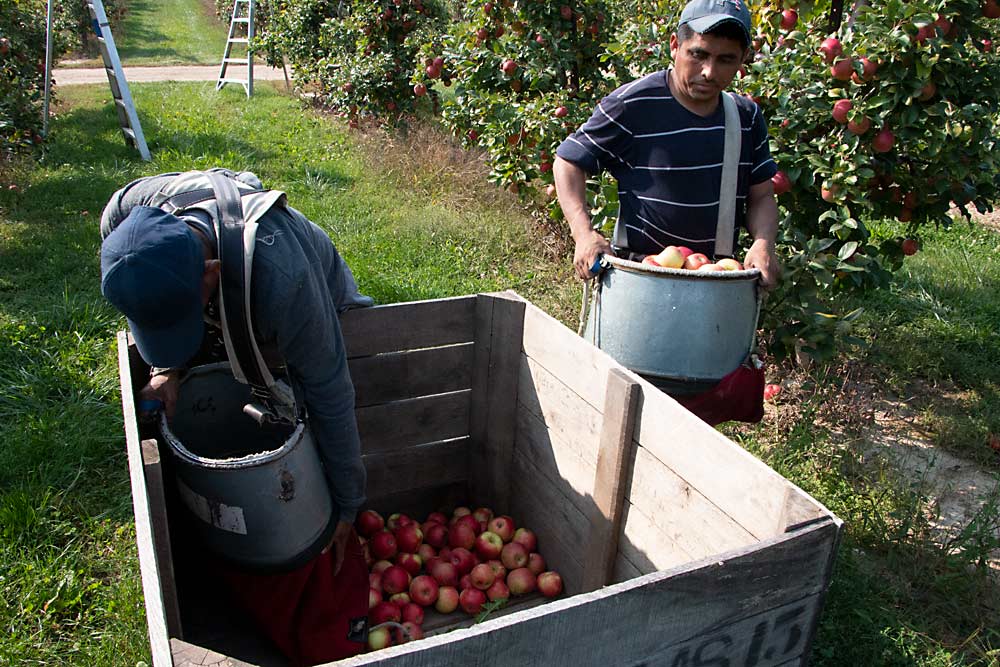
(502, 526)
(395, 580)
(447, 600)
(465, 582)
(397, 521)
(445, 573)
(370, 522)
(383, 545)
(498, 591)
(384, 612)
(426, 552)
(379, 638)
(410, 632)
(514, 555)
(550, 584)
(461, 510)
(521, 581)
(483, 514)
(412, 563)
(381, 566)
(461, 535)
(400, 599)
(462, 560)
(437, 517)
(436, 535)
(526, 538)
(695, 261)
(374, 597)
(424, 591)
(482, 576)
(470, 521)
(499, 571)
(472, 600)
(489, 545)
(409, 538)
(375, 580)
(536, 563)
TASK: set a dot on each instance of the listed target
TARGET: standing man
(160, 267)
(662, 137)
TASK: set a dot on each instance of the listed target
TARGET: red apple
(513, 556)
(400, 599)
(472, 600)
(419, 90)
(789, 18)
(499, 571)
(991, 9)
(482, 34)
(829, 194)
(370, 522)
(482, 576)
(567, 13)
(461, 558)
(465, 582)
(910, 246)
(461, 536)
(536, 563)
(395, 580)
(445, 573)
(502, 526)
(651, 260)
(831, 48)
(374, 597)
(710, 267)
(521, 581)
(426, 552)
(868, 69)
(397, 521)
(381, 566)
(437, 535)
(489, 545)
(412, 563)
(437, 517)
(905, 214)
(379, 638)
(927, 92)
(550, 584)
(375, 580)
(560, 112)
(840, 109)
(424, 591)
(859, 126)
(771, 390)
(883, 141)
(447, 600)
(383, 545)
(729, 264)
(498, 591)
(408, 632)
(508, 67)
(432, 72)
(459, 511)
(526, 537)
(781, 183)
(842, 70)
(484, 514)
(409, 538)
(383, 612)
(470, 521)
(670, 258)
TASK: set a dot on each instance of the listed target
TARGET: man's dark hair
(726, 30)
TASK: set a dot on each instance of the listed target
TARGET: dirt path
(75, 76)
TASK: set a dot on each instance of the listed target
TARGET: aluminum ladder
(127, 117)
(239, 19)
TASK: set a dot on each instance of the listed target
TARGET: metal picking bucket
(258, 492)
(682, 330)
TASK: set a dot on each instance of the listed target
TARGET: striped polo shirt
(668, 163)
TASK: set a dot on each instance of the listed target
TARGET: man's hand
(588, 248)
(338, 542)
(761, 256)
(162, 387)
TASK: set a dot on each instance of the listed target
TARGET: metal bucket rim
(250, 460)
(662, 271)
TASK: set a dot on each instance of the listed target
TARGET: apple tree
(22, 75)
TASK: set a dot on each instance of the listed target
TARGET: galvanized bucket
(258, 492)
(682, 330)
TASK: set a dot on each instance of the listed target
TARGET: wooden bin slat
(699, 604)
(408, 326)
(396, 376)
(646, 546)
(420, 502)
(624, 569)
(432, 464)
(394, 426)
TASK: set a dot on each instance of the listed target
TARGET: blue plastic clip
(596, 268)
(151, 405)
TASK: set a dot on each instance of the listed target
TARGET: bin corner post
(621, 406)
(499, 330)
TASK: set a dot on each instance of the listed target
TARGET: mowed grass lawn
(415, 220)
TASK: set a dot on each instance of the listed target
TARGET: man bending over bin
(160, 267)
(662, 137)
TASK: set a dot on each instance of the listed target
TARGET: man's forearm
(571, 187)
(762, 214)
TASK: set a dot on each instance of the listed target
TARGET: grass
(415, 219)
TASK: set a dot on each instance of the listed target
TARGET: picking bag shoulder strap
(726, 226)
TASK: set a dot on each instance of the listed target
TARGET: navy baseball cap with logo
(703, 15)
(151, 270)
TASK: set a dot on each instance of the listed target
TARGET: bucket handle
(596, 268)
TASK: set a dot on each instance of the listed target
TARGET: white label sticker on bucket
(218, 514)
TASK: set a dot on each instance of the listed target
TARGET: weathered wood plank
(681, 512)
(576, 423)
(800, 509)
(621, 404)
(160, 527)
(566, 355)
(417, 467)
(395, 376)
(436, 623)
(660, 610)
(538, 502)
(149, 568)
(401, 424)
(418, 503)
(408, 326)
(624, 569)
(190, 655)
(499, 328)
(646, 546)
(727, 475)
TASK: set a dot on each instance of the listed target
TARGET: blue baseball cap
(703, 15)
(151, 270)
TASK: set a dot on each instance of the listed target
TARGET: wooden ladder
(239, 19)
(127, 117)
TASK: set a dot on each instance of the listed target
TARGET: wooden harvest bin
(676, 546)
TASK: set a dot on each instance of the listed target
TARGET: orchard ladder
(127, 117)
(244, 19)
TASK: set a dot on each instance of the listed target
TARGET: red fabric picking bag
(310, 614)
(738, 397)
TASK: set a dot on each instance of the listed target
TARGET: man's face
(704, 66)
